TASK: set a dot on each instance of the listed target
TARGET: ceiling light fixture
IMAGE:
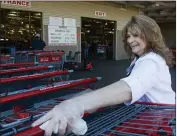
(157, 5)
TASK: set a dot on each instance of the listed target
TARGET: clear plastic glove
(65, 117)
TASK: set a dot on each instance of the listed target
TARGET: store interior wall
(76, 10)
(169, 33)
(65, 48)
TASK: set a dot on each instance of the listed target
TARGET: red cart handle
(17, 64)
(41, 91)
(37, 131)
(11, 71)
(34, 76)
(151, 103)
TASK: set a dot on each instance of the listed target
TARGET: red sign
(55, 58)
(26, 3)
(44, 59)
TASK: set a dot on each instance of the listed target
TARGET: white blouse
(150, 80)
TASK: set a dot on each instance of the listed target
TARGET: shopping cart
(44, 90)
(51, 58)
(40, 58)
(25, 71)
(20, 118)
(17, 65)
(27, 56)
(33, 80)
(5, 59)
(135, 120)
(141, 119)
(22, 56)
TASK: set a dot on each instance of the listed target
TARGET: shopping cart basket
(133, 120)
(5, 59)
(142, 119)
(51, 58)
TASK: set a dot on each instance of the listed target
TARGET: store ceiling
(161, 11)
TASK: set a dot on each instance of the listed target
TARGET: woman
(148, 78)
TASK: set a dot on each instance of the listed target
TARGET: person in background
(86, 50)
(12, 50)
(94, 49)
(148, 78)
(37, 44)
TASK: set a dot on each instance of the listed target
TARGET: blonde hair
(149, 31)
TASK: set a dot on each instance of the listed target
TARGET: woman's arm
(68, 113)
(116, 93)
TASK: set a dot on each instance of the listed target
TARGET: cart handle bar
(151, 103)
(41, 91)
(11, 71)
(34, 76)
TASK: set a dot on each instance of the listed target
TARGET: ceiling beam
(121, 2)
(131, 3)
(161, 15)
(157, 8)
(161, 11)
(161, 3)
(165, 21)
(139, 6)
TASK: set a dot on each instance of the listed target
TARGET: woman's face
(136, 43)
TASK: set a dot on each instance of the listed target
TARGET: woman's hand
(62, 118)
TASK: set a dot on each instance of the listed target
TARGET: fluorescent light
(157, 4)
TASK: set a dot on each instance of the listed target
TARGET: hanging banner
(25, 3)
(59, 35)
